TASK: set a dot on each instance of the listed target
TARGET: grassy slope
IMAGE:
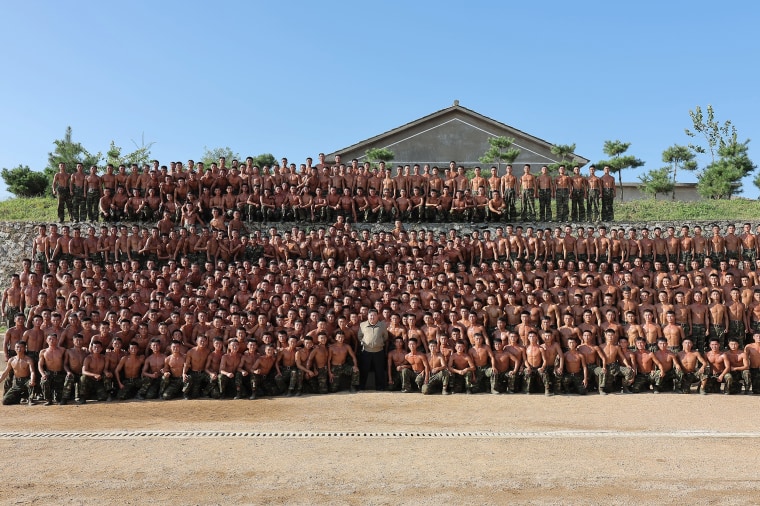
(44, 209)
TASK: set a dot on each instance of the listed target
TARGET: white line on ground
(568, 434)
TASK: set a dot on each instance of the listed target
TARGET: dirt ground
(554, 468)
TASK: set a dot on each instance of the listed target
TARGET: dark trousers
(373, 361)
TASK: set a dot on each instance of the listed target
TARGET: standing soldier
(93, 194)
(594, 195)
(76, 186)
(609, 192)
(509, 190)
(528, 187)
(545, 192)
(562, 193)
(61, 190)
(578, 195)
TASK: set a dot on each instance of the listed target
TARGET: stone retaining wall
(16, 237)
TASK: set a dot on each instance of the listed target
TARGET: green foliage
(376, 155)
(500, 151)
(618, 160)
(657, 181)
(43, 209)
(565, 154)
(264, 159)
(715, 134)
(140, 156)
(679, 156)
(71, 153)
(213, 155)
(719, 181)
(24, 182)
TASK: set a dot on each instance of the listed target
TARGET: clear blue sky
(297, 78)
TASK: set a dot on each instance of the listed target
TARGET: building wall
(686, 192)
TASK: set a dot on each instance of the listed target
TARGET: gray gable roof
(454, 133)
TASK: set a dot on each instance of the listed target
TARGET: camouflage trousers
(532, 376)
(718, 332)
(288, 379)
(229, 387)
(197, 384)
(79, 204)
(510, 202)
(129, 389)
(19, 389)
(501, 381)
(698, 337)
(265, 384)
(344, 371)
(481, 382)
(395, 382)
(171, 387)
(737, 331)
(64, 202)
(608, 209)
(562, 204)
(578, 211)
(91, 204)
(89, 387)
(150, 388)
(71, 387)
(438, 381)
(52, 385)
(598, 372)
(642, 381)
(544, 205)
(409, 378)
(737, 378)
(528, 210)
(686, 379)
(592, 205)
(460, 382)
(615, 370)
(573, 383)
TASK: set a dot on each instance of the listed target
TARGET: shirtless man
(318, 362)
(396, 363)
(338, 366)
(753, 355)
(671, 371)
(461, 368)
(554, 360)
(72, 364)
(228, 367)
(617, 361)
(93, 375)
(128, 373)
(575, 377)
(596, 360)
(739, 368)
(62, 191)
(718, 369)
(23, 376)
(418, 372)
(693, 367)
(647, 369)
(151, 372)
(483, 359)
(535, 365)
(287, 381)
(174, 365)
(439, 371)
(12, 301)
(305, 375)
(195, 379)
(52, 373)
(264, 371)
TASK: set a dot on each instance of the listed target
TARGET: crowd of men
(195, 195)
(223, 310)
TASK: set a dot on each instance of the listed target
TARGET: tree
(565, 154)
(264, 159)
(140, 156)
(722, 179)
(24, 182)
(715, 134)
(377, 155)
(619, 161)
(70, 153)
(679, 156)
(213, 155)
(657, 181)
(501, 151)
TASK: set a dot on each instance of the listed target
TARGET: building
(685, 192)
(455, 133)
